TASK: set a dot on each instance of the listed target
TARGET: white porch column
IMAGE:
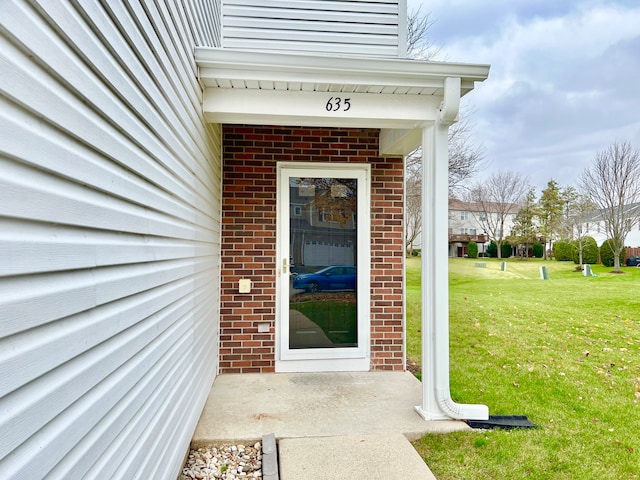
(436, 397)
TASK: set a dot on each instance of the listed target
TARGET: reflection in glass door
(324, 249)
(323, 310)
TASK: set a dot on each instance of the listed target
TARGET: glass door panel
(324, 264)
(323, 309)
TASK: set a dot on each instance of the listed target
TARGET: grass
(564, 351)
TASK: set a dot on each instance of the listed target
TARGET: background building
(467, 223)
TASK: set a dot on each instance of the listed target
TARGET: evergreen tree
(549, 213)
(524, 231)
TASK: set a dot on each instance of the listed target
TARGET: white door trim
(324, 359)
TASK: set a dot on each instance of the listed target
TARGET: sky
(564, 82)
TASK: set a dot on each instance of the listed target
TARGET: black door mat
(505, 422)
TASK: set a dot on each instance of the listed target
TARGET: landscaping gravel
(232, 462)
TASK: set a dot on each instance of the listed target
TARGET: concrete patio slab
(297, 405)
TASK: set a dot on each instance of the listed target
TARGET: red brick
(249, 237)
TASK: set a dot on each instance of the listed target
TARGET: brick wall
(249, 237)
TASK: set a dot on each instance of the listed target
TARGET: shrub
(538, 250)
(472, 250)
(606, 253)
(492, 250)
(562, 250)
(506, 250)
(589, 251)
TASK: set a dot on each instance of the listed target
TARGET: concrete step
(379, 456)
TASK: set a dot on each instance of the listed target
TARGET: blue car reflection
(335, 277)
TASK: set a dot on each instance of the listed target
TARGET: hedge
(562, 250)
(538, 250)
(589, 251)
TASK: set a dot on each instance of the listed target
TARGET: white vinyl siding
(371, 28)
(204, 20)
(109, 238)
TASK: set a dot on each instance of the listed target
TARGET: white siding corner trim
(110, 188)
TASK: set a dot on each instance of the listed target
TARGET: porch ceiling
(398, 95)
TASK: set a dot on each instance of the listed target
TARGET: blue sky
(564, 80)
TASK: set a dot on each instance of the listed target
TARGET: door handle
(285, 264)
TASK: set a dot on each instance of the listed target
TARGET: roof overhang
(314, 90)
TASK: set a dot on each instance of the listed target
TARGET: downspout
(437, 403)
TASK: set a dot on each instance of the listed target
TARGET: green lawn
(563, 351)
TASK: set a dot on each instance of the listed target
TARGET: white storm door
(323, 267)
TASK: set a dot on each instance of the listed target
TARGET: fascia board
(215, 62)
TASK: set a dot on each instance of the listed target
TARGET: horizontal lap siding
(372, 28)
(110, 188)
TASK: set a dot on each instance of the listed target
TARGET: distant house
(165, 167)
(468, 223)
(594, 226)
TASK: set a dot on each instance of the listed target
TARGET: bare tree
(465, 160)
(413, 205)
(465, 156)
(419, 45)
(613, 185)
(577, 210)
(570, 198)
(495, 198)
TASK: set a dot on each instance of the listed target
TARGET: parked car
(633, 261)
(335, 277)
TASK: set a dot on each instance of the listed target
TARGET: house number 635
(335, 104)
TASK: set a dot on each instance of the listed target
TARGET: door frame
(323, 359)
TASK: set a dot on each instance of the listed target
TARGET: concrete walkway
(328, 425)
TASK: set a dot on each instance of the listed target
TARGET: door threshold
(324, 365)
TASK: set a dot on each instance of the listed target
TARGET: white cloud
(563, 80)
